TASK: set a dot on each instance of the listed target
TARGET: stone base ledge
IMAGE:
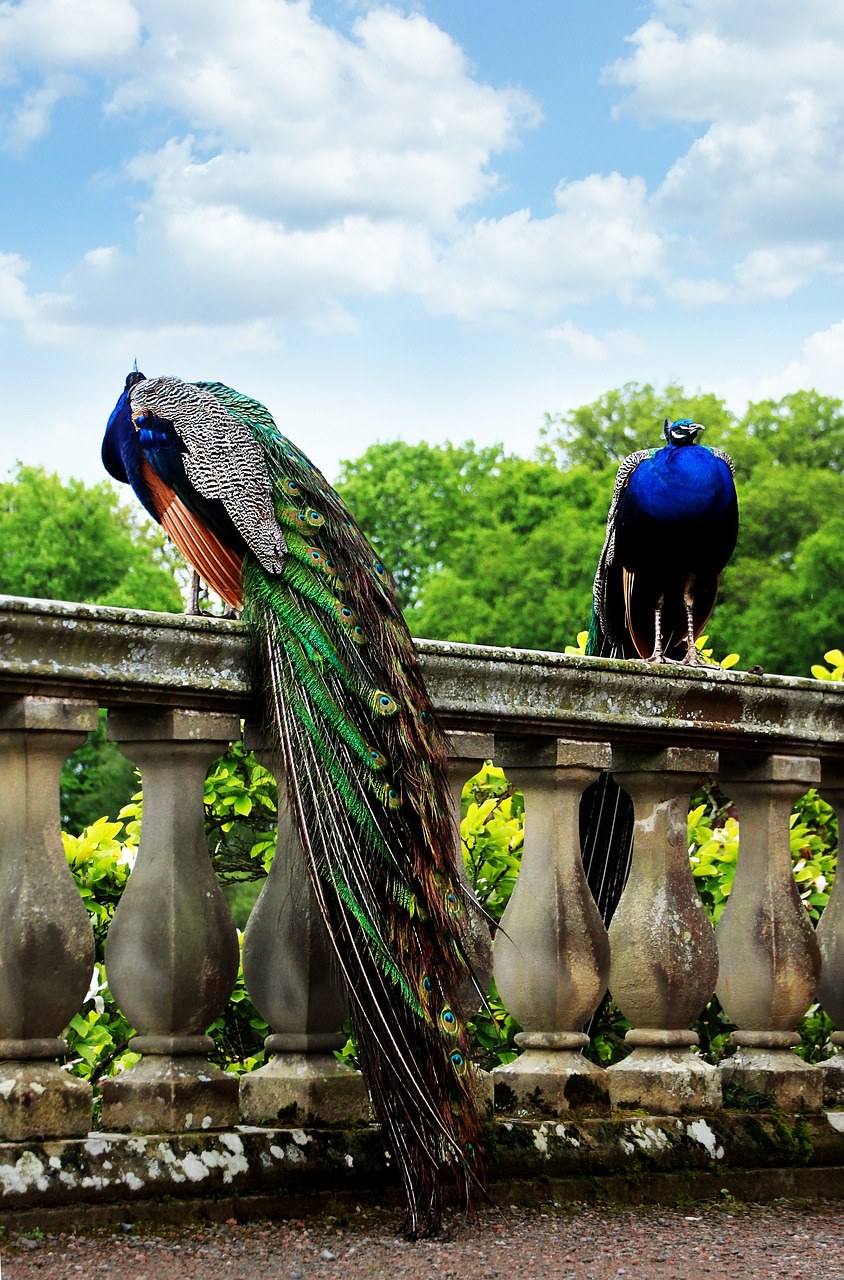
(141, 1172)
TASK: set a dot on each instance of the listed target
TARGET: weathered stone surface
(46, 943)
(40, 1100)
(833, 1074)
(167, 1095)
(664, 959)
(778, 1074)
(664, 1081)
(551, 952)
(304, 1089)
(769, 958)
(127, 656)
(288, 965)
(550, 1082)
(113, 1168)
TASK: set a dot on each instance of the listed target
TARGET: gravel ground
(563, 1242)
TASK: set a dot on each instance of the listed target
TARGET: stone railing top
(126, 657)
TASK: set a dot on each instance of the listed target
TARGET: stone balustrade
(177, 690)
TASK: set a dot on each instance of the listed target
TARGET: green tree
(602, 433)
(414, 500)
(97, 781)
(69, 541)
(64, 540)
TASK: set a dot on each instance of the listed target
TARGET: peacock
(672, 527)
(363, 755)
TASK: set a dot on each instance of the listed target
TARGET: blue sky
(428, 220)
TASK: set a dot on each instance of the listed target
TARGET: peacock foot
(694, 658)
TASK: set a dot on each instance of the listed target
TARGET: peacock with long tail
(672, 527)
(363, 756)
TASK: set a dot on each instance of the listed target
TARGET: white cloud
(30, 119)
(763, 84)
(67, 33)
(601, 240)
(590, 348)
(819, 364)
(308, 169)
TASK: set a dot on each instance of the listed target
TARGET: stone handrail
(176, 689)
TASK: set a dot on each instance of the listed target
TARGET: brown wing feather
(215, 563)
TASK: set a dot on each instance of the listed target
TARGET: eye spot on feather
(383, 704)
(448, 1021)
(359, 635)
(393, 798)
(314, 518)
(292, 487)
(458, 1062)
(453, 905)
(377, 758)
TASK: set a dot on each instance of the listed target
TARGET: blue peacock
(672, 527)
(363, 756)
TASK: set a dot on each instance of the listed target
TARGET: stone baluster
(467, 754)
(770, 962)
(171, 952)
(291, 975)
(664, 959)
(830, 936)
(46, 942)
(551, 952)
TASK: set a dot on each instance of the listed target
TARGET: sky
(432, 220)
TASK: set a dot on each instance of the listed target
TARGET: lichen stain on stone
(561, 1132)
(700, 1131)
(540, 1140)
(300, 1137)
(25, 1173)
(97, 1146)
(646, 1138)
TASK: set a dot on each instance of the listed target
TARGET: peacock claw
(696, 659)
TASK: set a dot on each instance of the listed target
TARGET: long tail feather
(365, 764)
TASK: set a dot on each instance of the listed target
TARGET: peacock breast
(678, 485)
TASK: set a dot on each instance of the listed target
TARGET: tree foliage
(491, 548)
(64, 540)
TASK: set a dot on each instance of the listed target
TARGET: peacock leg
(192, 605)
(658, 655)
(693, 657)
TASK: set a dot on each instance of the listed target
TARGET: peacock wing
(609, 615)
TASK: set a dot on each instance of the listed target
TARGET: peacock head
(683, 431)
